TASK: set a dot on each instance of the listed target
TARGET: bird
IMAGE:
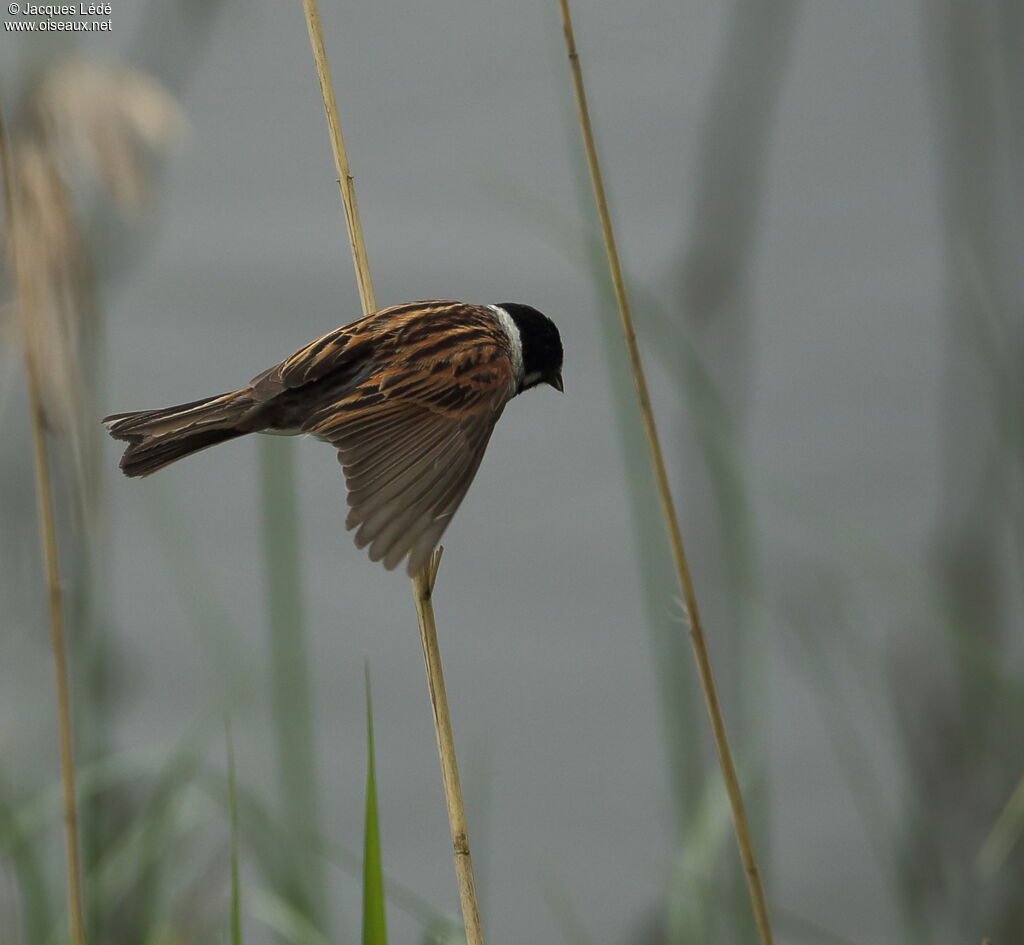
(408, 395)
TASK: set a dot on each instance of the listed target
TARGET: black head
(542, 346)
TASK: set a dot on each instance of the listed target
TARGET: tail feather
(157, 438)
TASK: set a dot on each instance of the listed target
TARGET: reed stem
(48, 539)
(423, 583)
(423, 589)
(755, 888)
(345, 182)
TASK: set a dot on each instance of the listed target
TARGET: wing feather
(404, 484)
(369, 489)
(412, 518)
(423, 542)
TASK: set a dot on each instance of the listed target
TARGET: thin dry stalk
(757, 897)
(345, 183)
(48, 539)
(423, 588)
(423, 583)
(100, 126)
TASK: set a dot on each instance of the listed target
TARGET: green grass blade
(236, 889)
(374, 928)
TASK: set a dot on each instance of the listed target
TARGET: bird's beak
(556, 382)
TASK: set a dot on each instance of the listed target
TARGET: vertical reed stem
(48, 540)
(423, 589)
(756, 890)
(423, 583)
(345, 182)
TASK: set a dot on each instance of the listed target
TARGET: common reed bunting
(408, 395)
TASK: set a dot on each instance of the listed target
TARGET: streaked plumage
(408, 395)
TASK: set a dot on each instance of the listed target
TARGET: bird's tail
(158, 437)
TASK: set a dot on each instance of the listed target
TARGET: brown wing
(411, 435)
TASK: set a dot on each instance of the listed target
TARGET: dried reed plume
(79, 124)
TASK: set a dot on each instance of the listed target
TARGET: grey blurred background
(819, 210)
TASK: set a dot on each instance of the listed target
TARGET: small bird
(408, 395)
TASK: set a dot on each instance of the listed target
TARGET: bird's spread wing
(411, 434)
